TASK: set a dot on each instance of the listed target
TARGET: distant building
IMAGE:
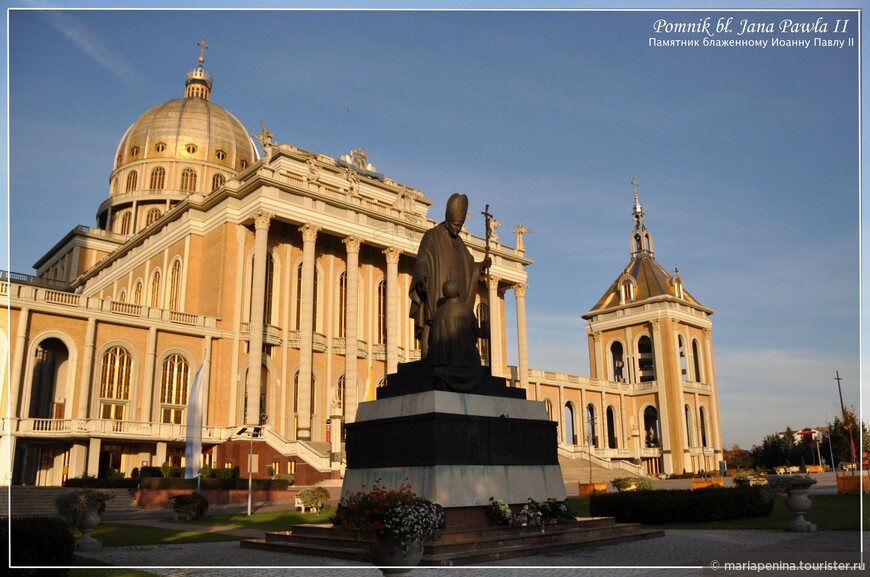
(284, 277)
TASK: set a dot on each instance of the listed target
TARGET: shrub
(633, 484)
(39, 541)
(191, 505)
(134, 473)
(668, 506)
(314, 497)
(150, 472)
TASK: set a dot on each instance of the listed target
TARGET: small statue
(520, 230)
(453, 353)
(352, 181)
(265, 138)
(313, 171)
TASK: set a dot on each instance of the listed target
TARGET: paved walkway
(680, 553)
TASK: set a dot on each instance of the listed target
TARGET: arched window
(115, 378)
(137, 293)
(299, 300)
(570, 437)
(132, 180)
(696, 361)
(645, 359)
(188, 180)
(617, 362)
(152, 216)
(651, 427)
(158, 178)
(217, 181)
(684, 373)
(382, 313)
(548, 405)
(690, 438)
(611, 429)
(703, 418)
(591, 437)
(126, 220)
(174, 285)
(154, 297)
(173, 389)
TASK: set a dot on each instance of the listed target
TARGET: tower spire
(197, 83)
(640, 240)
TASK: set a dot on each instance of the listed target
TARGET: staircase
(30, 501)
(462, 546)
(576, 471)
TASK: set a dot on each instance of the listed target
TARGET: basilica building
(280, 277)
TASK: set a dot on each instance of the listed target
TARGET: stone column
(258, 297)
(94, 445)
(392, 304)
(523, 339)
(496, 361)
(306, 324)
(150, 393)
(17, 364)
(86, 380)
(668, 445)
(351, 392)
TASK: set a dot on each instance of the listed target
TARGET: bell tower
(650, 339)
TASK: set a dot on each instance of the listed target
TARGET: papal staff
(487, 262)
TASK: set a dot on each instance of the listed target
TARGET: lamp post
(254, 432)
(847, 426)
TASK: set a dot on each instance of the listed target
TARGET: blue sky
(747, 158)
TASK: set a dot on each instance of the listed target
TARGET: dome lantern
(197, 83)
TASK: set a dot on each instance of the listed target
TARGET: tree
(838, 439)
(738, 458)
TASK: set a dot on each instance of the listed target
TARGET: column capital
(393, 254)
(309, 232)
(520, 289)
(262, 220)
(352, 243)
(492, 283)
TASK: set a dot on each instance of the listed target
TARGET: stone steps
(462, 546)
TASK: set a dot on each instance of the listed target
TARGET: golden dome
(191, 130)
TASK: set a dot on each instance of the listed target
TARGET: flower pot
(798, 502)
(388, 556)
(86, 524)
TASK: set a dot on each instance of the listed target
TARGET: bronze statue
(442, 256)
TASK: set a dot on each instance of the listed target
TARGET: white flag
(193, 450)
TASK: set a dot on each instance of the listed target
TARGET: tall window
(611, 429)
(548, 405)
(188, 180)
(132, 179)
(646, 362)
(690, 438)
(173, 389)
(342, 308)
(483, 344)
(158, 178)
(115, 378)
(126, 220)
(137, 293)
(382, 312)
(154, 300)
(617, 362)
(696, 360)
(217, 181)
(684, 371)
(570, 437)
(299, 300)
(591, 437)
(152, 216)
(174, 285)
(703, 413)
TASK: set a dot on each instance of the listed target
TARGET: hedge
(213, 483)
(673, 506)
(39, 541)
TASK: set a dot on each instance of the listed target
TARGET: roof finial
(197, 83)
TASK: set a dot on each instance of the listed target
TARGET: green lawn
(267, 521)
(828, 512)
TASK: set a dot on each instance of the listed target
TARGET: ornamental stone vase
(388, 557)
(86, 524)
(798, 502)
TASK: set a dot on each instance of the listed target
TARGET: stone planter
(798, 502)
(388, 557)
(86, 524)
